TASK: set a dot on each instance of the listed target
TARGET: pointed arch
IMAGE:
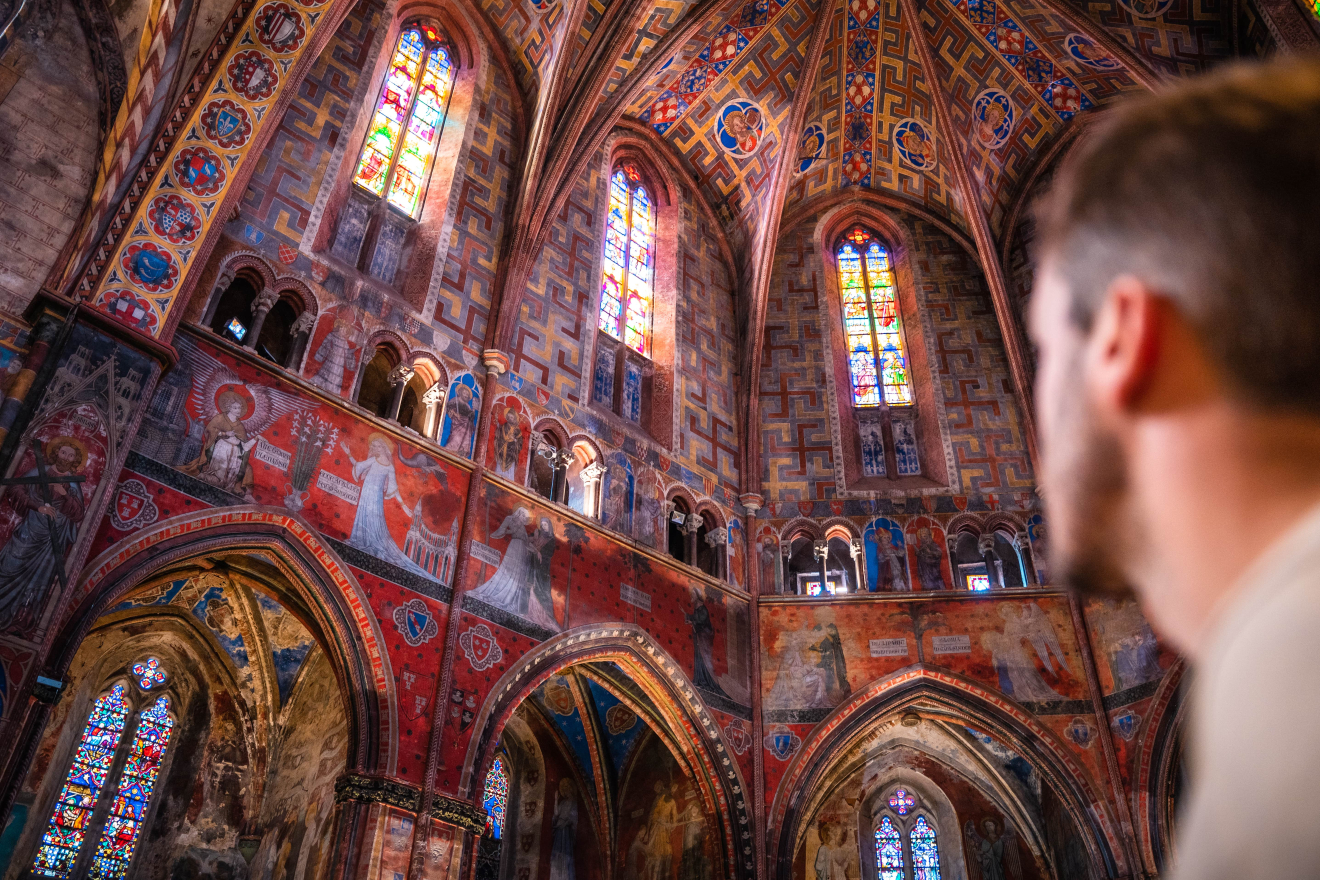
(325, 586)
(940, 695)
(677, 715)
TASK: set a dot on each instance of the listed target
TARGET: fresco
(458, 429)
(667, 837)
(289, 642)
(509, 439)
(335, 350)
(259, 441)
(886, 562)
(1132, 654)
(927, 558)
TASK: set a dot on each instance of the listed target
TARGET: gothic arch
(324, 584)
(1159, 747)
(683, 721)
(937, 694)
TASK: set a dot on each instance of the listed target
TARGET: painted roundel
(150, 266)
(915, 144)
(174, 218)
(740, 127)
(226, 124)
(130, 308)
(992, 114)
(200, 171)
(1146, 8)
(252, 74)
(813, 144)
(1085, 50)
(280, 28)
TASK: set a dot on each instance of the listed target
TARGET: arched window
(623, 372)
(888, 850)
(375, 391)
(678, 521)
(376, 225)
(925, 854)
(877, 358)
(105, 757)
(232, 317)
(899, 825)
(405, 129)
(496, 799)
(548, 470)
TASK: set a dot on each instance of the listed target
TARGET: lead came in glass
(925, 854)
(628, 272)
(129, 808)
(406, 125)
(877, 360)
(496, 798)
(91, 764)
(888, 851)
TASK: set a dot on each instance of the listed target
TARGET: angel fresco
(994, 856)
(523, 574)
(1018, 675)
(703, 644)
(240, 415)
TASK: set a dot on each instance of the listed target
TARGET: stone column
(785, 553)
(434, 398)
(716, 539)
(591, 479)
(858, 551)
(821, 550)
(1022, 543)
(301, 333)
(985, 545)
(694, 522)
(221, 285)
(559, 481)
(400, 376)
(261, 307)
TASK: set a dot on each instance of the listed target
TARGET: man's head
(1177, 275)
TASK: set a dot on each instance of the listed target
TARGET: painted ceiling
(719, 82)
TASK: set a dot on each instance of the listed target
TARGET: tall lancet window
(925, 854)
(626, 293)
(888, 850)
(401, 141)
(623, 369)
(376, 226)
(877, 358)
(121, 750)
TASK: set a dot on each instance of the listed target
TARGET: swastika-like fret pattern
(1187, 37)
(531, 33)
(826, 111)
(660, 20)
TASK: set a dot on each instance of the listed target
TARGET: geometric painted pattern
(862, 49)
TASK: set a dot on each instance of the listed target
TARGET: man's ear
(1125, 345)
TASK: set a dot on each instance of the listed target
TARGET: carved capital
(495, 361)
(855, 548)
(751, 501)
(820, 548)
(402, 373)
(717, 537)
(433, 396)
(1021, 540)
(986, 544)
(592, 473)
(265, 301)
(694, 522)
(303, 324)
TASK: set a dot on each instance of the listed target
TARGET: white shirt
(1255, 773)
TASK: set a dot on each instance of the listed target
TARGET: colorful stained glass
(627, 286)
(871, 325)
(496, 798)
(888, 850)
(900, 802)
(406, 125)
(925, 854)
(91, 764)
(978, 583)
(149, 673)
(129, 808)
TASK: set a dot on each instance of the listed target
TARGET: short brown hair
(1209, 192)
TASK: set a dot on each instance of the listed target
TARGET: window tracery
(495, 800)
(906, 836)
(82, 815)
(878, 368)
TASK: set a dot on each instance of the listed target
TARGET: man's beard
(1086, 493)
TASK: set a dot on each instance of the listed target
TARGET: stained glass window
(888, 850)
(91, 765)
(978, 582)
(925, 855)
(129, 808)
(900, 802)
(876, 357)
(406, 125)
(629, 268)
(496, 799)
(149, 673)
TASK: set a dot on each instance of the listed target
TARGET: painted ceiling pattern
(1015, 74)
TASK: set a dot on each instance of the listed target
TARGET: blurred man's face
(1084, 473)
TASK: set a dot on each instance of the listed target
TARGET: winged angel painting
(241, 414)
